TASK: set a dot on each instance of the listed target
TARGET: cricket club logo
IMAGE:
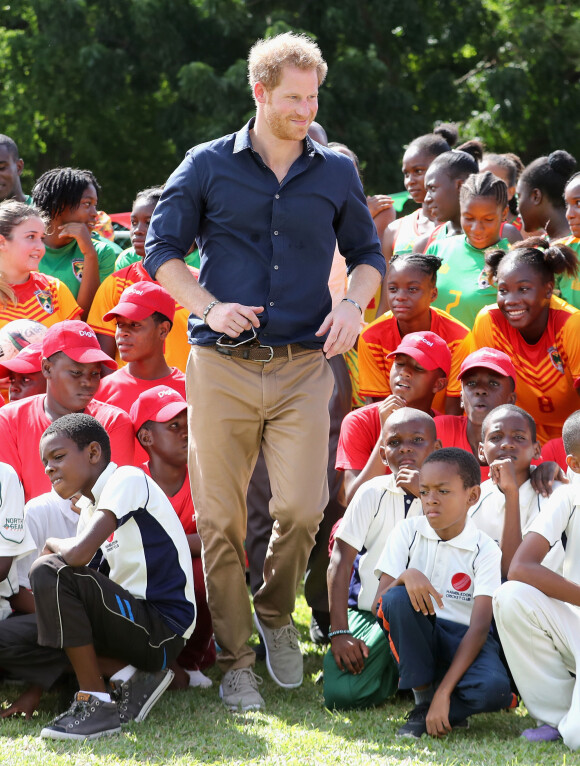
(77, 268)
(556, 359)
(44, 298)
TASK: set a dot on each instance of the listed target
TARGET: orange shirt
(382, 336)
(107, 297)
(43, 299)
(548, 372)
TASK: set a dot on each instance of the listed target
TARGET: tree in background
(126, 87)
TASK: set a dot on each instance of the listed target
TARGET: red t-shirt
(452, 432)
(22, 423)
(359, 432)
(122, 389)
(554, 450)
(182, 503)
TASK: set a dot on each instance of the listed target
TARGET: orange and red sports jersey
(548, 372)
(182, 503)
(107, 297)
(42, 298)
(382, 336)
(22, 423)
(122, 389)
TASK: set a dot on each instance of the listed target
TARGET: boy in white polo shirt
(358, 668)
(130, 625)
(438, 573)
(538, 613)
(509, 503)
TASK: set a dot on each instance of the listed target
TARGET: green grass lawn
(193, 727)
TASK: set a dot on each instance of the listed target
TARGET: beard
(281, 126)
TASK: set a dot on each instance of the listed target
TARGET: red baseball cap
(158, 404)
(140, 300)
(78, 341)
(427, 348)
(27, 360)
(491, 359)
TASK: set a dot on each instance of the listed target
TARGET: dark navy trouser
(424, 647)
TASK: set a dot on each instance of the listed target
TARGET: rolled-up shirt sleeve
(356, 233)
(176, 218)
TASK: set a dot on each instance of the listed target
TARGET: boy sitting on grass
(509, 503)
(358, 668)
(538, 613)
(159, 417)
(438, 573)
(132, 624)
(421, 365)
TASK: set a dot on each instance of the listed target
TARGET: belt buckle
(229, 346)
(226, 345)
(271, 350)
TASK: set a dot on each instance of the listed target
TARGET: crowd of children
(452, 476)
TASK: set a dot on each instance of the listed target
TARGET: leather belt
(256, 352)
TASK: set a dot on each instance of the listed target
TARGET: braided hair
(62, 188)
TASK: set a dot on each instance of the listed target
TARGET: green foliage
(126, 87)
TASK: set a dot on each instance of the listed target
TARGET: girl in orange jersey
(24, 293)
(538, 331)
(412, 288)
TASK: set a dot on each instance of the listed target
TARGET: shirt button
(271, 303)
(276, 267)
(277, 196)
(275, 233)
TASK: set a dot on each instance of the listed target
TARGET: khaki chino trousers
(236, 406)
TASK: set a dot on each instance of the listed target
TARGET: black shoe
(136, 697)
(416, 722)
(87, 718)
(319, 627)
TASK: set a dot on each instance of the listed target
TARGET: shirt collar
(85, 503)
(467, 539)
(243, 141)
(391, 485)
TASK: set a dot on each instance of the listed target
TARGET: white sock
(124, 674)
(197, 678)
(103, 696)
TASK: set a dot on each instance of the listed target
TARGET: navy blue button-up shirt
(261, 242)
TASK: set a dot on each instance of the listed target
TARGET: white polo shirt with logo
(561, 516)
(489, 516)
(370, 518)
(459, 569)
